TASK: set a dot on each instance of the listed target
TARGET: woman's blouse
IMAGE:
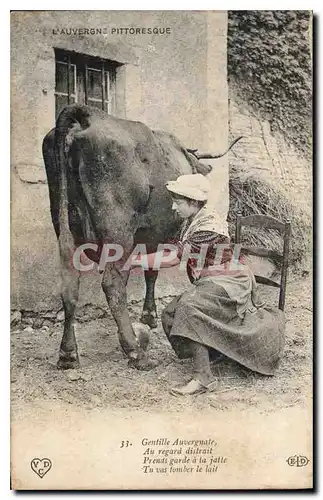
(205, 243)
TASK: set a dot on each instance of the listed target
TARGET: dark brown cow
(106, 179)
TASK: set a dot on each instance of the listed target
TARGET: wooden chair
(266, 222)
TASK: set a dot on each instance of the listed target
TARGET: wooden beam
(68, 79)
(103, 86)
(86, 84)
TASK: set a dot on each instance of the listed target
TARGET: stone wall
(267, 155)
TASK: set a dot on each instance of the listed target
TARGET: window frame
(65, 94)
(84, 63)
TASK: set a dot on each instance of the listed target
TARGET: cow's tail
(71, 119)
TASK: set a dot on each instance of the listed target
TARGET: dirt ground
(105, 381)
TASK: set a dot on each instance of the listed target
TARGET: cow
(106, 179)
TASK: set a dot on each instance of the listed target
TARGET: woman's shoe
(193, 387)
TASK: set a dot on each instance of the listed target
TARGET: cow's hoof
(68, 361)
(140, 361)
(143, 364)
(149, 318)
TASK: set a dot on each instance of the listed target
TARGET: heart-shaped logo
(41, 466)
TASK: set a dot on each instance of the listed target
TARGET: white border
(5, 182)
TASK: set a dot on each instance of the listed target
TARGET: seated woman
(221, 314)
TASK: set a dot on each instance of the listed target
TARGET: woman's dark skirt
(207, 315)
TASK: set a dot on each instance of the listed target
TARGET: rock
(28, 321)
(38, 322)
(28, 329)
(50, 315)
(69, 399)
(60, 316)
(142, 333)
(45, 328)
(47, 323)
(84, 318)
(15, 318)
(95, 399)
(38, 393)
(86, 377)
(73, 375)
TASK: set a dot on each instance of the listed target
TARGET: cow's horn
(200, 156)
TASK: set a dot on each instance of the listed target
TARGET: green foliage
(269, 59)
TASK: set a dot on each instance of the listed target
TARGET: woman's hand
(156, 260)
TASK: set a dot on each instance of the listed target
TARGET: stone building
(171, 75)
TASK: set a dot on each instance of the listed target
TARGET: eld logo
(41, 466)
(297, 461)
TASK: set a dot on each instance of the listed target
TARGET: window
(84, 79)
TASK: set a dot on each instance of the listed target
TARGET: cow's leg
(149, 313)
(114, 286)
(68, 356)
